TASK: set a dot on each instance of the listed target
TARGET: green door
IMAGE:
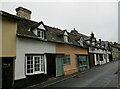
(59, 65)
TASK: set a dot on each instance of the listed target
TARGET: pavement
(73, 79)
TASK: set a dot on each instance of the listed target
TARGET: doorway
(51, 68)
(7, 73)
(59, 65)
(92, 62)
(54, 65)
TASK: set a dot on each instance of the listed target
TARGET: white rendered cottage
(31, 46)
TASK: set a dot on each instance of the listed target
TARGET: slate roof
(52, 34)
(115, 45)
(75, 37)
(107, 45)
(96, 43)
(25, 27)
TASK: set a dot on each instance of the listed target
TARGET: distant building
(115, 49)
(98, 51)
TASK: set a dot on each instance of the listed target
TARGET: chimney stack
(92, 35)
(100, 40)
(23, 13)
(74, 31)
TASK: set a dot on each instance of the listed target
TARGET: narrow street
(102, 76)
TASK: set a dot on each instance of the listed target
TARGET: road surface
(102, 77)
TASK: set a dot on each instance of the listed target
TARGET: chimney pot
(74, 31)
(100, 40)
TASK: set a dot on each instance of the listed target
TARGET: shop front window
(82, 60)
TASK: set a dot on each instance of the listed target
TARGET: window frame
(40, 66)
(66, 60)
(79, 58)
(41, 33)
(66, 38)
(101, 57)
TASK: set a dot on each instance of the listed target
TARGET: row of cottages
(8, 28)
(99, 51)
(37, 51)
(43, 51)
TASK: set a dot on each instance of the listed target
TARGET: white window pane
(34, 64)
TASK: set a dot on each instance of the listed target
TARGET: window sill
(83, 66)
(65, 64)
(35, 73)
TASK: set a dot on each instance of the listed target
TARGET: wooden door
(7, 73)
(59, 66)
(92, 63)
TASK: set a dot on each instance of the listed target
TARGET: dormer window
(93, 43)
(88, 41)
(102, 46)
(81, 41)
(65, 36)
(40, 33)
(39, 30)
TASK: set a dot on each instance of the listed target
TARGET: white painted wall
(65, 37)
(104, 60)
(41, 27)
(107, 57)
(35, 31)
(26, 45)
(96, 62)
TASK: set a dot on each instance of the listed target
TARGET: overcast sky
(99, 17)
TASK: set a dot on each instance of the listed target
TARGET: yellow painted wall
(72, 50)
(8, 30)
